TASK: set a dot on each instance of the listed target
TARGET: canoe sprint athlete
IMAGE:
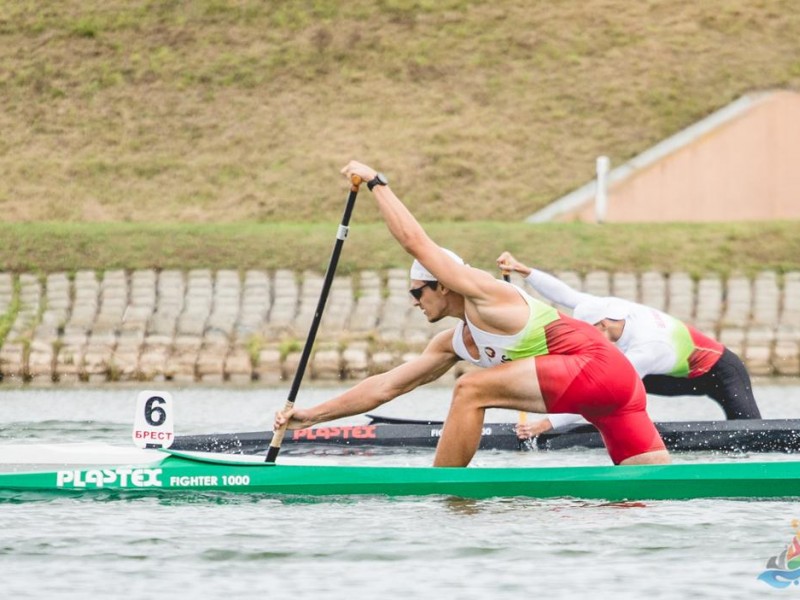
(538, 359)
(671, 357)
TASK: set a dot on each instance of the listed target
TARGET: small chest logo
(492, 353)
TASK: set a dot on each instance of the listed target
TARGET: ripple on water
(217, 545)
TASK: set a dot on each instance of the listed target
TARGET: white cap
(595, 310)
(420, 273)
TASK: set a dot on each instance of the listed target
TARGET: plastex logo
(119, 477)
(783, 569)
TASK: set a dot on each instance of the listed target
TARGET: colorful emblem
(784, 569)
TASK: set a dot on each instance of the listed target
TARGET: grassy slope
(698, 249)
(210, 110)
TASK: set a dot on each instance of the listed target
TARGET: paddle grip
(277, 436)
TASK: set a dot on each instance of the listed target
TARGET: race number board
(153, 425)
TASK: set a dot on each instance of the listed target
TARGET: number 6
(155, 415)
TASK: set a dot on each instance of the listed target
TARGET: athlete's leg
(658, 457)
(666, 385)
(630, 435)
(729, 384)
(513, 385)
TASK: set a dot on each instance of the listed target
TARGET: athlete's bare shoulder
(505, 312)
(442, 342)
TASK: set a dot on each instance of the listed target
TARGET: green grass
(7, 319)
(217, 111)
(695, 248)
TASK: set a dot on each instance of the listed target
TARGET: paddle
(523, 416)
(341, 235)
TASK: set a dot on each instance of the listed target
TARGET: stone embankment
(214, 327)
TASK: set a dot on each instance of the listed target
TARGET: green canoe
(187, 472)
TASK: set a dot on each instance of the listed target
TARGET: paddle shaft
(277, 438)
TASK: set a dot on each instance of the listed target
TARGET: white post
(603, 166)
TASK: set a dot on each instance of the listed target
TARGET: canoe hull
(747, 480)
(756, 435)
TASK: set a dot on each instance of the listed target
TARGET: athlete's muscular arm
(435, 360)
(508, 263)
(476, 285)
(556, 290)
(547, 285)
(561, 419)
(526, 431)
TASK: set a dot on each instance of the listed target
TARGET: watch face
(379, 179)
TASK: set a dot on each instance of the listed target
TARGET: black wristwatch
(379, 179)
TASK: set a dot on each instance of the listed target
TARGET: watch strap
(377, 180)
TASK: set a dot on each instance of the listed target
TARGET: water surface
(221, 546)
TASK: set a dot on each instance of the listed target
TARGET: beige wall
(746, 169)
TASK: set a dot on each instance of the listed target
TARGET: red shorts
(591, 377)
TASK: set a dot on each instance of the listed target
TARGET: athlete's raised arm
(478, 286)
(546, 284)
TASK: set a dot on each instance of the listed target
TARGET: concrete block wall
(210, 327)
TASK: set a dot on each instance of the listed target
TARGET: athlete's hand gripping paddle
(341, 235)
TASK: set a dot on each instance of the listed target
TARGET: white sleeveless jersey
(653, 341)
(495, 349)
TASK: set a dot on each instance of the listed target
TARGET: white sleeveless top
(495, 349)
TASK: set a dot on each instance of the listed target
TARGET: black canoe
(756, 435)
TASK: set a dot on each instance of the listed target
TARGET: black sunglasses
(416, 293)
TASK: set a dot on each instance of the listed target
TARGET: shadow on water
(470, 506)
(68, 431)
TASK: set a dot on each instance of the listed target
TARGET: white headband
(420, 273)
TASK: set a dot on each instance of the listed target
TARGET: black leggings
(727, 382)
